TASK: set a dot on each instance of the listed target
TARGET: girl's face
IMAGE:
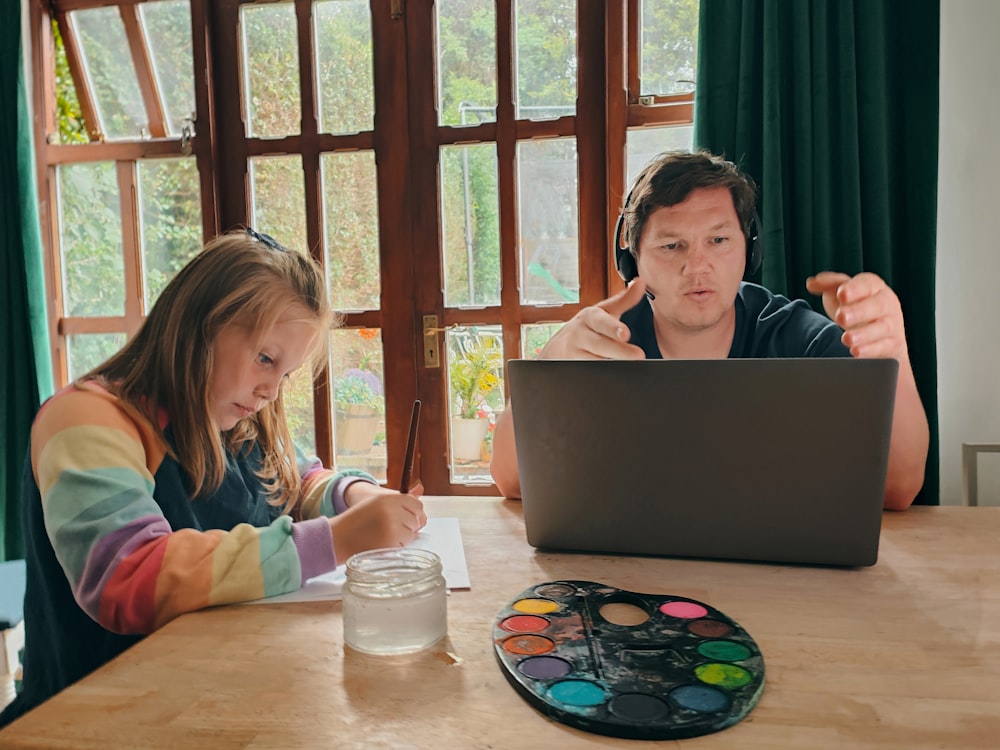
(247, 374)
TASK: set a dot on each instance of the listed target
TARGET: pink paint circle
(684, 610)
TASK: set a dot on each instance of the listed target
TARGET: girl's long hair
(242, 279)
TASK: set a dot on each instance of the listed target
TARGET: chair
(970, 468)
(12, 578)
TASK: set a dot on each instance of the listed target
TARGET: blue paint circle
(701, 698)
(578, 693)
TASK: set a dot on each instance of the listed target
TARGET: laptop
(771, 460)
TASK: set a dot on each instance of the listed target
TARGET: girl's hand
(376, 517)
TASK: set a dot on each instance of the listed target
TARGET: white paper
(440, 535)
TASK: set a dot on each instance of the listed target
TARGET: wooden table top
(905, 654)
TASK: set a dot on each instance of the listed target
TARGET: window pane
(547, 208)
(546, 58)
(359, 400)
(298, 395)
(90, 238)
(350, 210)
(476, 393)
(85, 352)
(71, 128)
(344, 66)
(470, 228)
(467, 61)
(535, 336)
(642, 145)
(271, 70)
(108, 67)
(669, 54)
(167, 27)
(278, 199)
(170, 213)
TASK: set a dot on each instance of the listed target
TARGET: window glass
(71, 128)
(469, 226)
(170, 215)
(108, 67)
(547, 218)
(467, 61)
(84, 352)
(278, 199)
(642, 145)
(546, 58)
(167, 27)
(476, 394)
(350, 207)
(271, 70)
(535, 336)
(669, 49)
(344, 65)
(298, 399)
(358, 378)
(90, 238)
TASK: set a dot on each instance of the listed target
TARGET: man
(689, 229)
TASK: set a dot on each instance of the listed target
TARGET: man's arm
(872, 319)
(595, 332)
(503, 465)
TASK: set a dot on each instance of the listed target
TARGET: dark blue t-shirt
(768, 326)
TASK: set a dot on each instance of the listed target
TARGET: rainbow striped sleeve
(323, 489)
(94, 462)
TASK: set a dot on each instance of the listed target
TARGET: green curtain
(832, 106)
(25, 362)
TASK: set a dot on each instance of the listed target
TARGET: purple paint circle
(683, 610)
(545, 667)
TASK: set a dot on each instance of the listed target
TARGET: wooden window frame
(609, 104)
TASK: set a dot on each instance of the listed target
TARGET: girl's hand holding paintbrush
(380, 517)
(376, 517)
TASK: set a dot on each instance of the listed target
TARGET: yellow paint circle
(723, 675)
(535, 606)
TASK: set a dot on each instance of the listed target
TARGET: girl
(166, 480)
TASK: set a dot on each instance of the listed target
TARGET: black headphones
(625, 258)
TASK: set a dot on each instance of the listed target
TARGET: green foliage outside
(475, 370)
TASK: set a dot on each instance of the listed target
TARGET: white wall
(968, 243)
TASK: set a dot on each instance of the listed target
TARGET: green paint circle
(724, 650)
(723, 675)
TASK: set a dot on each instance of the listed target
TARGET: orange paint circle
(528, 645)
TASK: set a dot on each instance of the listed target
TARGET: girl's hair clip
(266, 240)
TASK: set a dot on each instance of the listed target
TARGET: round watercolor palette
(624, 664)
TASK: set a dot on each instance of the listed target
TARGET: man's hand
(868, 311)
(597, 332)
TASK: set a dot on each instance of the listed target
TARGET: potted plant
(475, 368)
(358, 398)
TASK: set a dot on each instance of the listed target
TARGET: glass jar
(395, 601)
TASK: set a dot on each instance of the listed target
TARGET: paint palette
(619, 663)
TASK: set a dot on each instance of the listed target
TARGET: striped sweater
(116, 547)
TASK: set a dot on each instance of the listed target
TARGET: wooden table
(902, 655)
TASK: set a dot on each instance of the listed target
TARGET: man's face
(692, 257)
